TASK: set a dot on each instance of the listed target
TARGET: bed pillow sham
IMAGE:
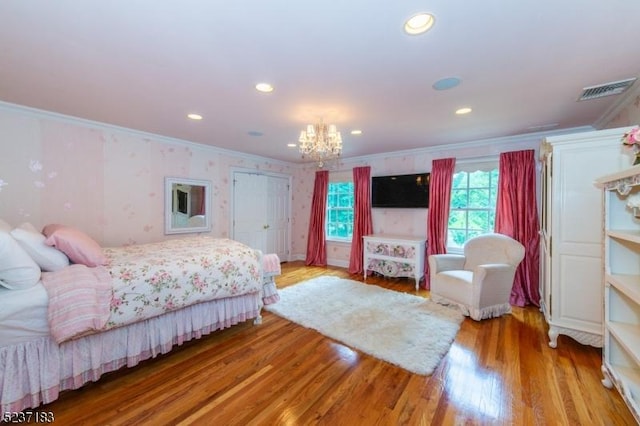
(48, 258)
(78, 246)
(17, 270)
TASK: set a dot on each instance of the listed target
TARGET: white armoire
(571, 222)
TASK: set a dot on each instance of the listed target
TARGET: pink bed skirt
(35, 372)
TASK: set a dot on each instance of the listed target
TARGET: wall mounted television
(400, 191)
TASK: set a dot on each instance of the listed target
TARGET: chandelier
(321, 143)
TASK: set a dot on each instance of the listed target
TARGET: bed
(80, 321)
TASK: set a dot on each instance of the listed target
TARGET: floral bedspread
(151, 279)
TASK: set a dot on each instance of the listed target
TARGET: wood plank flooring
(498, 371)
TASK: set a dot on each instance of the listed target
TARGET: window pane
(459, 199)
(458, 219)
(472, 234)
(479, 220)
(339, 214)
(479, 180)
(459, 180)
(456, 238)
(473, 201)
(478, 198)
(345, 200)
(493, 198)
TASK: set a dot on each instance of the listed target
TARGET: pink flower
(632, 137)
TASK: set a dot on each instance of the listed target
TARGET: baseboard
(340, 263)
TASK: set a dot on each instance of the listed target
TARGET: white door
(277, 216)
(261, 212)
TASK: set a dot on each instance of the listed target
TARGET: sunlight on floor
(345, 353)
(472, 388)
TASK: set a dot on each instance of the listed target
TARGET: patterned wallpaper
(109, 182)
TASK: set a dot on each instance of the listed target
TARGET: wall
(627, 112)
(106, 181)
(109, 181)
(399, 221)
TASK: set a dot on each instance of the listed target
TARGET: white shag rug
(409, 331)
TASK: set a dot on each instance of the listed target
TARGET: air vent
(613, 88)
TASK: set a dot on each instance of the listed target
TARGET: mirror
(187, 205)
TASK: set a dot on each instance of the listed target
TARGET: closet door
(261, 205)
(277, 216)
(249, 207)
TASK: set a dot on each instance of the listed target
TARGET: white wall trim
(502, 141)
(507, 141)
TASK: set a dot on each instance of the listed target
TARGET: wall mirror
(187, 207)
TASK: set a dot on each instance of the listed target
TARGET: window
(473, 206)
(339, 219)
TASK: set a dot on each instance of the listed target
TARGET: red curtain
(362, 223)
(316, 243)
(517, 216)
(438, 216)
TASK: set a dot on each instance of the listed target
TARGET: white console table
(394, 256)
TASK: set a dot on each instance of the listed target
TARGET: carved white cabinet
(571, 231)
(394, 256)
(621, 354)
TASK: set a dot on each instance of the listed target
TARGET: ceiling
(145, 64)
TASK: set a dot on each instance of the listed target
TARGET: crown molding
(39, 113)
(363, 160)
(508, 141)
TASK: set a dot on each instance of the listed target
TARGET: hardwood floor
(498, 371)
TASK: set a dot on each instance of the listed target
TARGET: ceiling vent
(613, 88)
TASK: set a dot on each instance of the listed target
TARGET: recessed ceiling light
(419, 23)
(264, 87)
(446, 83)
(465, 110)
(291, 145)
(194, 116)
(356, 132)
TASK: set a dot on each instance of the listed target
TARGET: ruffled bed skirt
(477, 314)
(35, 372)
(269, 291)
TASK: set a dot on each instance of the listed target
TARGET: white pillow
(17, 270)
(4, 226)
(32, 241)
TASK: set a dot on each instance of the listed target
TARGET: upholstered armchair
(479, 281)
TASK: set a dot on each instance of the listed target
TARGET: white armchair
(478, 282)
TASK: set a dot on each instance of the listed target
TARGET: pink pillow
(78, 246)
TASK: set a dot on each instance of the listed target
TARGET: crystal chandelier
(321, 143)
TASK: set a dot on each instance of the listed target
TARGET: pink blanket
(79, 300)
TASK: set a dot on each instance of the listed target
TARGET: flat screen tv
(400, 191)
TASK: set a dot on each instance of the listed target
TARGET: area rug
(409, 331)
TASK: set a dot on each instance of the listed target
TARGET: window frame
(333, 180)
(471, 166)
